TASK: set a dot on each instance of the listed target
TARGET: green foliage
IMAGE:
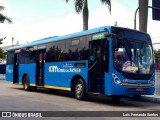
(1, 39)
(2, 55)
(80, 4)
(4, 18)
(157, 54)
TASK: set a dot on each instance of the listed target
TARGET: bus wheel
(26, 83)
(80, 91)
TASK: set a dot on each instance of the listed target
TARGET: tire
(26, 84)
(80, 90)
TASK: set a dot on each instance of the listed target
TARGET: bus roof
(74, 35)
(58, 38)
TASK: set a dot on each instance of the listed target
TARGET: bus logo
(52, 68)
(64, 70)
(139, 89)
(9, 70)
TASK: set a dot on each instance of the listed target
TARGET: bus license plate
(139, 89)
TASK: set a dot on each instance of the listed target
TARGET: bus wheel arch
(78, 86)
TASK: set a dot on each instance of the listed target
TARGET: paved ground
(157, 82)
(156, 97)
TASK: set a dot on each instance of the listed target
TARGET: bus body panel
(132, 89)
(9, 73)
(61, 73)
(134, 86)
(30, 70)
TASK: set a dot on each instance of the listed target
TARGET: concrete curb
(151, 98)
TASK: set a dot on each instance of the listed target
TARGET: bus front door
(16, 68)
(40, 67)
(97, 65)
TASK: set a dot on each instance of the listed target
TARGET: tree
(1, 39)
(82, 5)
(143, 15)
(157, 54)
(3, 17)
(2, 54)
(157, 58)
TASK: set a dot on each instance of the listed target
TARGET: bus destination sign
(98, 36)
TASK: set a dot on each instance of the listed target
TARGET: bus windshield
(133, 56)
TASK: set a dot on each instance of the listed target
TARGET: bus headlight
(116, 79)
(153, 82)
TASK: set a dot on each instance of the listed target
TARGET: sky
(37, 19)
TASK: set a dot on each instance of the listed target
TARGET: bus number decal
(9, 70)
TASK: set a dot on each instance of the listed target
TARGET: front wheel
(80, 90)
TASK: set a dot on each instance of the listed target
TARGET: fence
(157, 83)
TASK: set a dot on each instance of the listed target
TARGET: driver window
(119, 55)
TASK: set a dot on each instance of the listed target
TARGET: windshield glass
(133, 56)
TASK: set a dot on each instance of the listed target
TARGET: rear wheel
(26, 83)
(80, 90)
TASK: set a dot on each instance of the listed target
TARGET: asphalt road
(14, 98)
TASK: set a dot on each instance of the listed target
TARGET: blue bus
(110, 61)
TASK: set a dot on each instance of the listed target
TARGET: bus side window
(93, 55)
(98, 52)
(10, 57)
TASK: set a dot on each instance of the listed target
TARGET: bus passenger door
(40, 67)
(16, 68)
(97, 65)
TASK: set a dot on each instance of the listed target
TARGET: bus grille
(131, 91)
